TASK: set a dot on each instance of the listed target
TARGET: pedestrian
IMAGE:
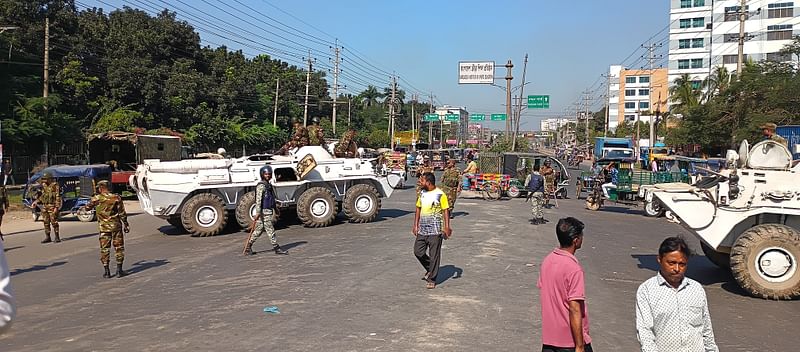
(470, 170)
(768, 130)
(3, 207)
(265, 199)
(347, 147)
(611, 179)
(8, 306)
(549, 175)
(565, 322)
(654, 165)
(431, 225)
(8, 172)
(451, 184)
(48, 199)
(536, 196)
(112, 221)
(671, 309)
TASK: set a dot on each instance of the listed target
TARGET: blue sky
(569, 43)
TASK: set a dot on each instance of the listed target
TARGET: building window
(697, 63)
(780, 10)
(698, 43)
(630, 105)
(644, 79)
(698, 3)
(644, 105)
(779, 32)
(630, 117)
(685, 4)
(630, 92)
(731, 37)
(732, 13)
(644, 92)
(697, 84)
(684, 43)
(732, 59)
(779, 57)
(630, 80)
(683, 64)
(698, 22)
(685, 23)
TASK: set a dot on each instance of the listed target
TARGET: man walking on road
(451, 180)
(3, 207)
(112, 221)
(536, 196)
(265, 200)
(565, 323)
(49, 199)
(671, 309)
(431, 225)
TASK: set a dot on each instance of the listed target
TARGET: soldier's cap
(768, 126)
(103, 183)
(47, 176)
(315, 120)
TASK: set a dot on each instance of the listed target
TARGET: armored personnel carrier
(747, 217)
(201, 195)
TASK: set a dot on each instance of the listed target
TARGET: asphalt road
(356, 287)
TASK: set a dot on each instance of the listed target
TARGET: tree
(716, 83)
(369, 97)
(683, 93)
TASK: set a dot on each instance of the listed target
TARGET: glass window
(732, 59)
(697, 84)
(630, 92)
(644, 105)
(630, 79)
(697, 43)
(685, 23)
(630, 105)
(698, 22)
(644, 92)
(698, 3)
(779, 57)
(686, 4)
(732, 13)
(684, 43)
(730, 37)
(779, 10)
(779, 32)
(683, 64)
(697, 63)
(644, 79)
(630, 117)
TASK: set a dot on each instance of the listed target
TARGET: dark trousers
(428, 250)
(548, 348)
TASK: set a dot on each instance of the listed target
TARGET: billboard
(476, 72)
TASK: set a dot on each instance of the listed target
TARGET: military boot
(279, 250)
(249, 249)
(47, 238)
(106, 273)
(58, 238)
(120, 272)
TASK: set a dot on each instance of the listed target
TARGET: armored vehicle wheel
(175, 221)
(722, 260)
(361, 203)
(764, 261)
(246, 210)
(653, 208)
(591, 204)
(204, 215)
(316, 207)
(513, 191)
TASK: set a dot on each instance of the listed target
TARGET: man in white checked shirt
(671, 309)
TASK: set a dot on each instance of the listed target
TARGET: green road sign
(452, 117)
(538, 102)
(431, 117)
(499, 117)
(477, 117)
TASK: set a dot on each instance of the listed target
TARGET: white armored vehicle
(200, 195)
(747, 217)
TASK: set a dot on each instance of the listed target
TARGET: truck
(747, 217)
(123, 151)
(792, 136)
(201, 195)
(608, 147)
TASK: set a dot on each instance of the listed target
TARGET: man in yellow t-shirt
(431, 225)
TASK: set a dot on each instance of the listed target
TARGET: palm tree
(369, 96)
(716, 83)
(683, 93)
(399, 95)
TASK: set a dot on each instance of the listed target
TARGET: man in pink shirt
(565, 324)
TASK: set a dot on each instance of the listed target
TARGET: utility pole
(519, 108)
(430, 126)
(586, 100)
(608, 103)
(742, 19)
(413, 122)
(308, 82)
(46, 89)
(392, 112)
(275, 111)
(509, 66)
(349, 101)
(651, 58)
(335, 84)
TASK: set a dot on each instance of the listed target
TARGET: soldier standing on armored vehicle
(768, 129)
(347, 148)
(451, 180)
(316, 136)
(49, 199)
(265, 200)
(112, 221)
(299, 139)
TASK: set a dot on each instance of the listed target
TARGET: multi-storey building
(636, 94)
(553, 124)
(704, 34)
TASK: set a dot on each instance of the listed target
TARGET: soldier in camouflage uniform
(265, 201)
(768, 129)
(549, 175)
(347, 148)
(112, 221)
(299, 139)
(316, 136)
(451, 181)
(49, 200)
(3, 206)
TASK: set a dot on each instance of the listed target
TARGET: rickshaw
(396, 164)
(437, 158)
(491, 186)
(629, 183)
(77, 183)
(516, 164)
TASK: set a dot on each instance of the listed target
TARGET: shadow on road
(80, 236)
(699, 269)
(621, 210)
(391, 214)
(448, 272)
(289, 246)
(38, 268)
(143, 265)
(460, 213)
(12, 248)
(26, 231)
(170, 230)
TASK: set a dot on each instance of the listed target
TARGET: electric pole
(651, 58)
(413, 122)
(337, 51)
(519, 108)
(586, 100)
(392, 112)
(275, 111)
(430, 126)
(308, 82)
(509, 66)
(742, 19)
(46, 88)
(608, 103)
(349, 100)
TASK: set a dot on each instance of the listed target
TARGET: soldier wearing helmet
(112, 221)
(265, 203)
(48, 199)
(299, 139)
(768, 129)
(316, 136)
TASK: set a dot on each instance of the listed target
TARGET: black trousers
(548, 348)
(428, 250)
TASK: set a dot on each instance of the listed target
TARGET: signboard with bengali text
(476, 72)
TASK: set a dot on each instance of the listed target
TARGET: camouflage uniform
(316, 136)
(110, 217)
(3, 206)
(346, 148)
(537, 202)
(779, 139)
(264, 223)
(549, 182)
(299, 140)
(49, 201)
(451, 178)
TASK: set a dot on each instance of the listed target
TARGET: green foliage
(503, 144)
(378, 139)
(122, 119)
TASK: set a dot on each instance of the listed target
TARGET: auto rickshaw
(515, 164)
(77, 183)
